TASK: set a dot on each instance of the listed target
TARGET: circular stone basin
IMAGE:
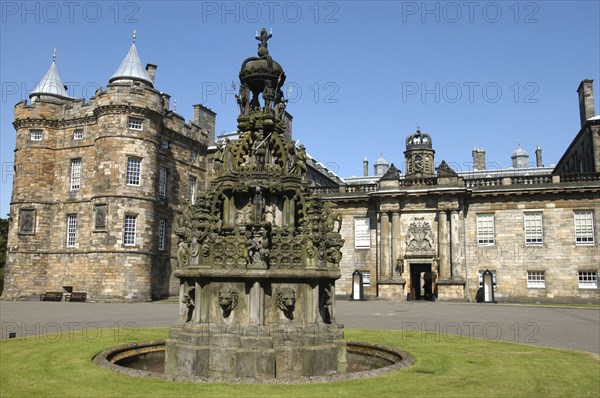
(147, 359)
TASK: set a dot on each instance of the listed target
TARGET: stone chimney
(151, 69)
(586, 100)
(538, 157)
(366, 167)
(205, 118)
(478, 159)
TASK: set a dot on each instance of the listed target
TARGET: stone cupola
(419, 155)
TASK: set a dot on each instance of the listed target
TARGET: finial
(134, 36)
(270, 31)
(418, 129)
(54, 55)
(175, 106)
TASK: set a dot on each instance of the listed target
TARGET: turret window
(36, 135)
(162, 182)
(134, 167)
(135, 123)
(129, 230)
(75, 174)
(71, 230)
(78, 134)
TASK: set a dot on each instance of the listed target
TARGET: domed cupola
(419, 155)
(261, 75)
(131, 69)
(381, 165)
(51, 86)
(520, 158)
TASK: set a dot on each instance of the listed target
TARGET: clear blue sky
(364, 74)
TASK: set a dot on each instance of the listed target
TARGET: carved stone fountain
(258, 255)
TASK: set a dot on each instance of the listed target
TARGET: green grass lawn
(61, 365)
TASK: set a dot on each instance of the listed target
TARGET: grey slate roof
(131, 68)
(51, 84)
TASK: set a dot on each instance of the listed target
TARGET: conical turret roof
(51, 84)
(131, 68)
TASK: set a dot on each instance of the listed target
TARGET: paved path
(571, 328)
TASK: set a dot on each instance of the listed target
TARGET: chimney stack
(205, 118)
(538, 157)
(366, 167)
(478, 159)
(151, 69)
(586, 100)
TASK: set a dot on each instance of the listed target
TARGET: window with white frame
(78, 134)
(162, 234)
(133, 171)
(536, 279)
(534, 234)
(485, 229)
(588, 279)
(162, 182)
(192, 189)
(36, 135)
(584, 227)
(135, 123)
(71, 230)
(129, 230)
(493, 277)
(75, 174)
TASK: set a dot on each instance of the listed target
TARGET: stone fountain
(258, 255)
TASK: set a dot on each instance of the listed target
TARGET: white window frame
(129, 230)
(162, 235)
(584, 227)
(71, 230)
(163, 175)
(192, 189)
(536, 279)
(78, 134)
(135, 123)
(587, 279)
(134, 171)
(486, 235)
(533, 224)
(76, 167)
(36, 135)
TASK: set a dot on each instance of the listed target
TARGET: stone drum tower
(258, 255)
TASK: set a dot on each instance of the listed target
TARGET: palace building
(99, 185)
(431, 233)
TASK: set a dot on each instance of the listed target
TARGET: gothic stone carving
(285, 299)
(228, 300)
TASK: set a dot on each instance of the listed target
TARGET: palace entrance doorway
(421, 282)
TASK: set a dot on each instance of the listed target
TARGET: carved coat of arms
(419, 237)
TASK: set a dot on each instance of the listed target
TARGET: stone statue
(270, 213)
(327, 304)
(301, 162)
(337, 223)
(253, 247)
(188, 300)
(182, 254)
(269, 96)
(258, 205)
(243, 99)
(292, 159)
(279, 108)
(228, 299)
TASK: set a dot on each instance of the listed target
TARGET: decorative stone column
(444, 248)
(457, 271)
(396, 251)
(385, 267)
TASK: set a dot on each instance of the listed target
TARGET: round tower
(419, 155)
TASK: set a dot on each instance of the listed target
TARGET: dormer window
(135, 123)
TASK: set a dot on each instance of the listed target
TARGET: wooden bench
(51, 296)
(78, 296)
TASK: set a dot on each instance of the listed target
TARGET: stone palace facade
(98, 186)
